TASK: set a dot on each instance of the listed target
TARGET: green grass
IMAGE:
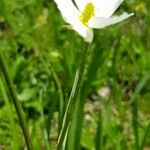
(60, 93)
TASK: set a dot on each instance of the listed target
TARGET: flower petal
(83, 30)
(71, 15)
(67, 9)
(105, 8)
(98, 22)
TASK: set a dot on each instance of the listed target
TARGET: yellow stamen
(87, 13)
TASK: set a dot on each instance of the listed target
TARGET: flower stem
(15, 100)
(72, 100)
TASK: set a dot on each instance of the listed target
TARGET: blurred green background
(36, 45)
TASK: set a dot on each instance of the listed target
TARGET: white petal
(67, 9)
(71, 15)
(89, 37)
(98, 22)
(83, 31)
(105, 8)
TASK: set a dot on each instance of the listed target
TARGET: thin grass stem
(15, 100)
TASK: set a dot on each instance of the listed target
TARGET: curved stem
(15, 100)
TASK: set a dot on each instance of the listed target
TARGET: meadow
(52, 96)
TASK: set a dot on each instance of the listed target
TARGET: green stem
(82, 69)
(15, 100)
(99, 133)
(72, 102)
(135, 124)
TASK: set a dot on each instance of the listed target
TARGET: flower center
(87, 13)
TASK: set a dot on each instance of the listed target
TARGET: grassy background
(43, 55)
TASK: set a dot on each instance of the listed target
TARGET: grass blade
(134, 105)
(99, 133)
(147, 131)
(16, 103)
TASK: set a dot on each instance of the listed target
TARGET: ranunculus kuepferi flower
(83, 15)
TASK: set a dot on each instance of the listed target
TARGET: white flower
(87, 14)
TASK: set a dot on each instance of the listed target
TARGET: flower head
(88, 14)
